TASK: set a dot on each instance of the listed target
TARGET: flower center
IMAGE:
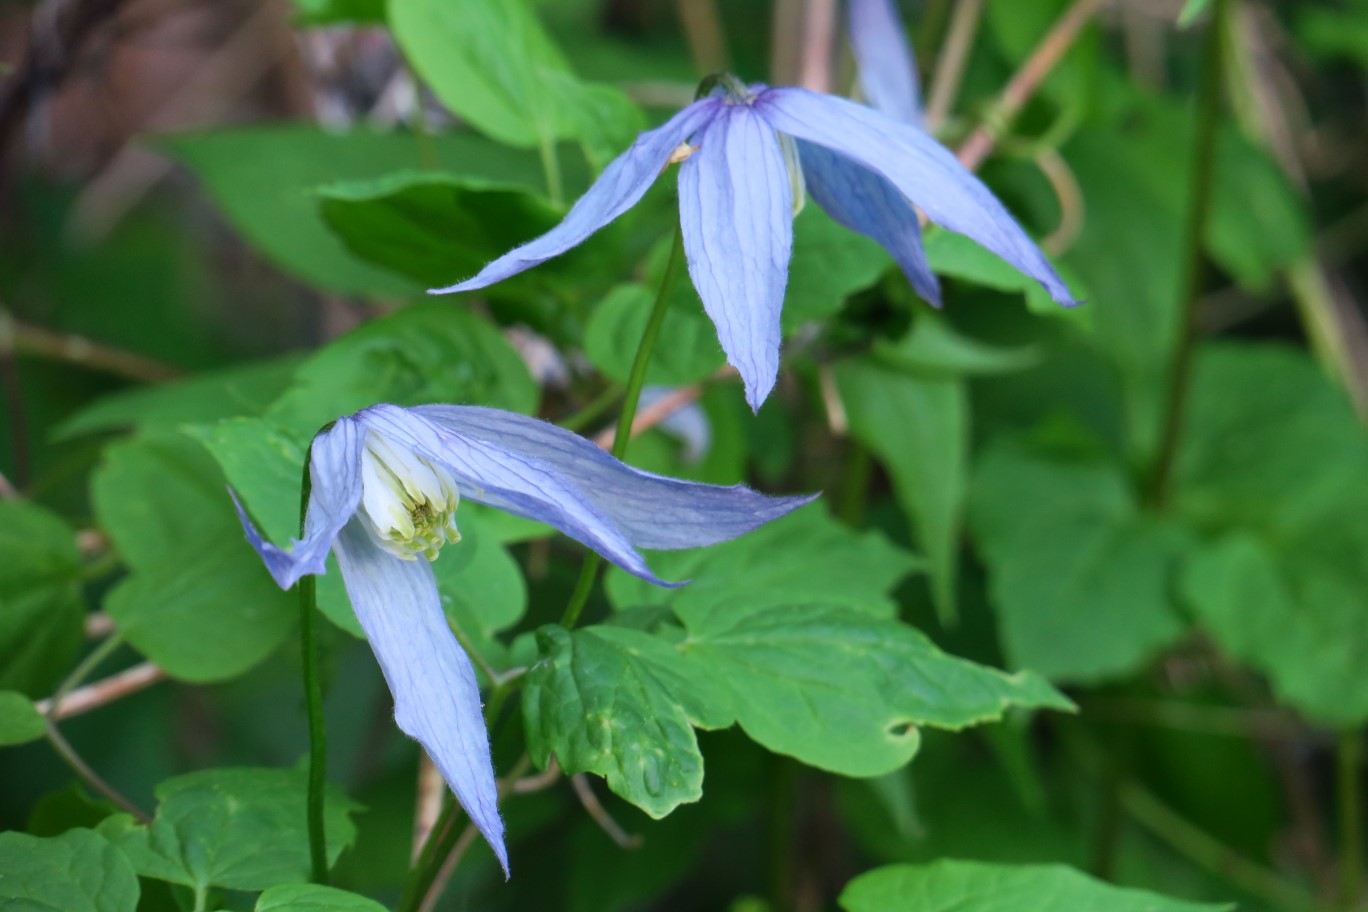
(409, 502)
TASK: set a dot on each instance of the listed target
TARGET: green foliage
(237, 829)
(618, 322)
(967, 886)
(20, 720)
(40, 602)
(491, 62)
(196, 602)
(313, 898)
(77, 871)
(1105, 606)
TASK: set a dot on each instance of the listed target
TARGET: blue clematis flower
(737, 196)
(385, 486)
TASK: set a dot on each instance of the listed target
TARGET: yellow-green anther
(409, 503)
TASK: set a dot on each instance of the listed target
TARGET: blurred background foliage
(217, 220)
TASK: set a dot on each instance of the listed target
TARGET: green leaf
(1294, 610)
(829, 264)
(955, 256)
(1334, 34)
(843, 690)
(918, 427)
(1080, 578)
(934, 347)
(614, 333)
(241, 390)
(41, 609)
(198, 601)
(433, 352)
(314, 898)
(804, 557)
(1269, 442)
(77, 871)
(277, 209)
(1274, 468)
(622, 704)
(332, 12)
(20, 721)
(491, 62)
(971, 886)
(435, 228)
(239, 829)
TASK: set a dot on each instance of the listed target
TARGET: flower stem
(81, 672)
(551, 170)
(313, 700)
(1350, 797)
(1203, 172)
(635, 381)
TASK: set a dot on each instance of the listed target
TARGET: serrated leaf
(918, 427)
(41, 609)
(239, 829)
(971, 886)
(618, 321)
(843, 690)
(803, 557)
(1080, 579)
(622, 704)
(20, 720)
(78, 871)
(433, 227)
(314, 898)
(196, 602)
(433, 352)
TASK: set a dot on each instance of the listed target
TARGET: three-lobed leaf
(238, 829)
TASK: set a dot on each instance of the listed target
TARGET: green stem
(594, 410)
(1210, 853)
(1350, 756)
(1204, 164)
(635, 381)
(82, 671)
(422, 130)
(313, 699)
(92, 778)
(859, 469)
(439, 844)
(551, 169)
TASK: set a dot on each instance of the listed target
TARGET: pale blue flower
(386, 483)
(737, 196)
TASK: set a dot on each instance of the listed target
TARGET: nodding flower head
(739, 189)
(385, 484)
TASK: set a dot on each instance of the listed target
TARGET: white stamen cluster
(409, 502)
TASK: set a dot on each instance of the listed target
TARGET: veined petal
(436, 697)
(922, 169)
(883, 59)
(618, 188)
(335, 492)
(651, 511)
(736, 215)
(862, 201)
(517, 482)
